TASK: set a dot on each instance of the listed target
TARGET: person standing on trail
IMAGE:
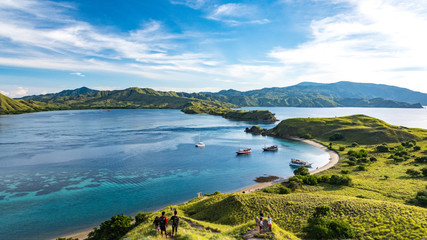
(270, 222)
(261, 214)
(261, 225)
(163, 222)
(156, 224)
(256, 223)
(175, 222)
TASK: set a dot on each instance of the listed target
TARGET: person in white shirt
(270, 222)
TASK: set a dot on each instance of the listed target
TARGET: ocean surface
(64, 171)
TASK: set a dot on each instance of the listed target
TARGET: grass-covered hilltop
(376, 191)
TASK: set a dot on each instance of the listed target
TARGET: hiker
(261, 225)
(256, 223)
(163, 222)
(270, 222)
(156, 224)
(261, 214)
(175, 221)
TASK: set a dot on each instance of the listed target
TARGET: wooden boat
(244, 151)
(271, 148)
(299, 163)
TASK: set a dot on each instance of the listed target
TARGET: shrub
(417, 148)
(307, 136)
(421, 159)
(352, 153)
(413, 173)
(373, 159)
(382, 148)
(350, 163)
(303, 171)
(422, 198)
(336, 137)
(293, 185)
(321, 228)
(345, 171)
(424, 172)
(284, 190)
(355, 144)
(310, 180)
(361, 168)
(324, 178)
(67, 238)
(340, 180)
(141, 217)
(112, 229)
(342, 148)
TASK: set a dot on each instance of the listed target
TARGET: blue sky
(200, 45)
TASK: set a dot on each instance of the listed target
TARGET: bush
(355, 144)
(67, 238)
(321, 228)
(422, 198)
(382, 148)
(421, 159)
(342, 148)
(373, 159)
(310, 180)
(345, 171)
(293, 185)
(284, 190)
(417, 148)
(340, 180)
(141, 217)
(424, 172)
(336, 137)
(112, 229)
(307, 136)
(303, 171)
(361, 168)
(324, 178)
(413, 173)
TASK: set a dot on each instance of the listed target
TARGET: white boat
(299, 163)
(200, 144)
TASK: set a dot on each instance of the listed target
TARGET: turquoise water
(64, 171)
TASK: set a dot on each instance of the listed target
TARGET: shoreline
(333, 160)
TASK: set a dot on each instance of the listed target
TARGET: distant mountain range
(340, 94)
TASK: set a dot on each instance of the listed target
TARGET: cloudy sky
(201, 45)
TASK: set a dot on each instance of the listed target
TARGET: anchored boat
(244, 151)
(271, 148)
(299, 163)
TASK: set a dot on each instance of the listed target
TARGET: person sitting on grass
(175, 222)
(163, 222)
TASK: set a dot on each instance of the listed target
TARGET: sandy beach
(333, 160)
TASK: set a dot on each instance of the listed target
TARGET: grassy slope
(357, 128)
(12, 106)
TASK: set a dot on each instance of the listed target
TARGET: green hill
(12, 106)
(357, 128)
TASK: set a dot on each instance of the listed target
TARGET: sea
(62, 172)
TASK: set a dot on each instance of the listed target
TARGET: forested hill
(340, 94)
(84, 98)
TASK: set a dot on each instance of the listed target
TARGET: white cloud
(236, 14)
(195, 4)
(378, 41)
(78, 74)
(14, 91)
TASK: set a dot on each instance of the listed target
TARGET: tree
(141, 217)
(301, 171)
(422, 198)
(336, 137)
(424, 171)
(112, 229)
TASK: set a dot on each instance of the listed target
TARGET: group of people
(260, 222)
(161, 223)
